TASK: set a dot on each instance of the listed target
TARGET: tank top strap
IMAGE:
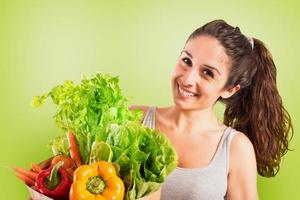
(232, 133)
(149, 119)
(228, 137)
(223, 155)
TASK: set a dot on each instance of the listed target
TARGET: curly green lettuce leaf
(145, 157)
(88, 107)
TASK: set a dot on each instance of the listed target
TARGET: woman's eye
(209, 73)
(187, 61)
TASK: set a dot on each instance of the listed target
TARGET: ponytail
(257, 110)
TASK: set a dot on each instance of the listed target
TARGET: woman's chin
(183, 105)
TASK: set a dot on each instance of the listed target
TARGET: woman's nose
(190, 78)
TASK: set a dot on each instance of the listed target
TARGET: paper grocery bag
(34, 195)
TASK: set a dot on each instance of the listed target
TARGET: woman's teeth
(185, 93)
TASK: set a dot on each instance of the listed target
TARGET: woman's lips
(185, 94)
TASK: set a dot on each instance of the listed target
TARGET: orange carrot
(30, 174)
(73, 148)
(25, 178)
(36, 168)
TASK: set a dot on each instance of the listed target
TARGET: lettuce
(143, 157)
(88, 107)
(149, 154)
(59, 145)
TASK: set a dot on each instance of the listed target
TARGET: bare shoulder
(241, 149)
(241, 143)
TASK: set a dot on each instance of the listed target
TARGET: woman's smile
(184, 94)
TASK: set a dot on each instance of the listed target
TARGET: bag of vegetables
(113, 155)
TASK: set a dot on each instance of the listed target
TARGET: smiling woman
(195, 67)
(219, 160)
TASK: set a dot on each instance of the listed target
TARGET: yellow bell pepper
(97, 181)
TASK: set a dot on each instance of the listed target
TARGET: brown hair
(256, 109)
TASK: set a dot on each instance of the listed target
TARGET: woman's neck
(193, 121)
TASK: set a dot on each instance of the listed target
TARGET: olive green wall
(44, 42)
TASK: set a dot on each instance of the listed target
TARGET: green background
(43, 43)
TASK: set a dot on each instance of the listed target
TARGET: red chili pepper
(54, 182)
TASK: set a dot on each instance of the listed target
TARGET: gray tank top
(205, 183)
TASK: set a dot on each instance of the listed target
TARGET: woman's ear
(229, 92)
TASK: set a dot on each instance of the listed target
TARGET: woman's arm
(242, 169)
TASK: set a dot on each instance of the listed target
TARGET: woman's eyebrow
(188, 53)
(211, 67)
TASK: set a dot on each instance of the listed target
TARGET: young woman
(220, 160)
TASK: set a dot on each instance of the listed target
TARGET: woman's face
(200, 74)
